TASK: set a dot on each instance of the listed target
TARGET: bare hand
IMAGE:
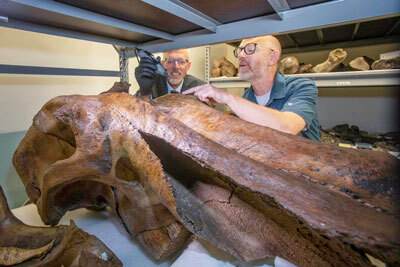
(207, 93)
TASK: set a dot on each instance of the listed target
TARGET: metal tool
(143, 53)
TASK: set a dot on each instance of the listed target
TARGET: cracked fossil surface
(174, 166)
(65, 245)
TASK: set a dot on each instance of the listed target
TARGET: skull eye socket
(83, 193)
(124, 170)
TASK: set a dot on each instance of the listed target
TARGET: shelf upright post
(123, 65)
(207, 65)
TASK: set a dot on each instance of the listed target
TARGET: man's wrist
(230, 101)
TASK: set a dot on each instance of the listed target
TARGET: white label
(343, 83)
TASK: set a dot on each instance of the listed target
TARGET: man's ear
(188, 65)
(164, 63)
(274, 58)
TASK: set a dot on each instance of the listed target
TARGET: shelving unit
(329, 79)
(171, 24)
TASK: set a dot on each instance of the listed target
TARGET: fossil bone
(383, 64)
(361, 63)
(13, 255)
(43, 246)
(288, 65)
(223, 67)
(175, 162)
(335, 58)
(305, 68)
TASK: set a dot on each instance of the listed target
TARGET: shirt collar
(276, 92)
(170, 88)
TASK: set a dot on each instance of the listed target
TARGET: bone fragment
(335, 58)
(216, 72)
(384, 64)
(46, 246)
(288, 65)
(361, 63)
(223, 67)
(305, 68)
(14, 255)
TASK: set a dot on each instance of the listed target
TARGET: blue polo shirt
(297, 95)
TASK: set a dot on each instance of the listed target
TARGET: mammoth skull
(175, 166)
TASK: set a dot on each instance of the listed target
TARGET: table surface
(107, 227)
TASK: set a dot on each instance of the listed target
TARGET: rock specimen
(175, 164)
(223, 67)
(288, 65)
(335, 58)
(361, 63)
(384, 64)
(25, 245)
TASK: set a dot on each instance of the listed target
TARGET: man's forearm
(288, 122)
(282, 121)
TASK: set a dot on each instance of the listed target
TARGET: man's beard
(175, 81)
(253, 72)
(245, 75)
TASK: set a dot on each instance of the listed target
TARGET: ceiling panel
(122, 20)
(396, 30)
(285, 41)
(46, 18)
(226, 11)
(138, 12)
(338, 34)
(301, 3)
(305, 38)
(375, 28)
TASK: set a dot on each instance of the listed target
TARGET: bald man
(176, 64)
(286, 104)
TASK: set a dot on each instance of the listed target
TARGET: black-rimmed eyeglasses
(249, 49)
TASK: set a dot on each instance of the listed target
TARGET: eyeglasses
(249, 49)
(181, 62)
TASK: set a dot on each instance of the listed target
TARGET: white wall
(22, 96)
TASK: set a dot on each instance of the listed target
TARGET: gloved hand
(145, 75)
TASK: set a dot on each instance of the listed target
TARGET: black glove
(145, 75)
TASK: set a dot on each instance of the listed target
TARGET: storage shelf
(329, 79)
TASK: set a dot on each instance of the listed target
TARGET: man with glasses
(176, 64)
(287, 104)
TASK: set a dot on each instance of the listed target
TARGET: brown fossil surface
(384, 64)
(305, 68)
(24, 245)
(66, 166)
(371, 177)
(223, 67)
(175, 162)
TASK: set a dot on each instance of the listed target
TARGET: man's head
(177, 63)
(258, 57)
